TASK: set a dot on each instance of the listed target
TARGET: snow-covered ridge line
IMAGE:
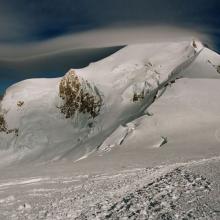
(128, 82)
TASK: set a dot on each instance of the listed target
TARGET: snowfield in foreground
(178, 191)
(133, 136)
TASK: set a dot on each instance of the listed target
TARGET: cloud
(29, 21)
(40, 38)
(12, 24)
(106, 37)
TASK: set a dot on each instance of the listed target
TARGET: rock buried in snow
(4, 128)
(116, 138)
(20, 103)
(218, 69)
(149, 113)
(24, 206)
(78, 96)
(163, 141)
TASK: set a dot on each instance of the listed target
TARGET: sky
(45, 38)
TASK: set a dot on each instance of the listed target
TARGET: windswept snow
(29, 181)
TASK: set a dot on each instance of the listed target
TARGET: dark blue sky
(43, 19)
(27, 22)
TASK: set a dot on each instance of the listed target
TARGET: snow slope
(128, 81)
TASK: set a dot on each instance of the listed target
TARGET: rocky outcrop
(2, 124)
(138, 97)
(78, 96)
(4, 128)
(218, 69)
(20, 103)
(141, 89)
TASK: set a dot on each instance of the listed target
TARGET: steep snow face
(73, 116)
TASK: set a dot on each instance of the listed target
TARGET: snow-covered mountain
(109, 104)
(133, 136)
